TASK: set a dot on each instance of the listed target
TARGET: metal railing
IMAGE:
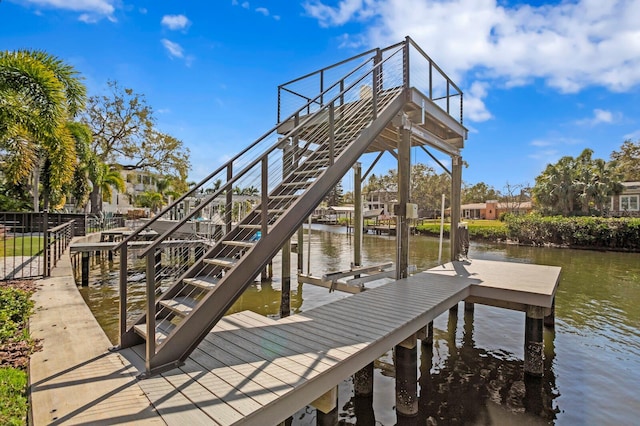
(31, 243)
(56, 240)
(422, 73)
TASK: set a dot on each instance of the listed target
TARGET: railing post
(265, 196)
(229, 201)
(321, 88)
(461, 101)
(45, 237)
(279, 100)
(405, 63)
(430, 80)
(376, 85)
(448, 85)
(122, 320)
(332, 137)
(151, 311)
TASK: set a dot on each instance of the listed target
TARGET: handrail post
(405, 63)
(321, 88)
(376, 84)
(448, 85)
(229, 201)
(279, 100)
(461, 101)
(123, 291)
(151, 311)
(265, 196)
(45, 236)
(332, 138)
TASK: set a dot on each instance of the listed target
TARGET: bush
(584, 232)
(15, 308)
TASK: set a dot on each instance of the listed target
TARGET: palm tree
(38, 95)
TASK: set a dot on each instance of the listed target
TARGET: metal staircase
(191, 282)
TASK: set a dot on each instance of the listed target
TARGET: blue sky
(542, 79)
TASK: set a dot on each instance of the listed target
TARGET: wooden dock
(253, 370)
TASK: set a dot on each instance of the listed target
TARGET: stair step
(250, 226)
(313, 172)
(240, 243)
(272, 211)
(203, 282)
(295, 184)
(181, 305)
(162, 331)
(226, 262)
(281, 197)
(324, 160)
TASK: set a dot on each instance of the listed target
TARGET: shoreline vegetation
(16, 346)
(579, 232)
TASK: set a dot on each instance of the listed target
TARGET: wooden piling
(550, 319)
(363, 382)
(406, 364)
(285, 290)
(533, 341)
(86, 256)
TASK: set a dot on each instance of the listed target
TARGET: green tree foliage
(39, 94)
(124, 133)
(335, 197)
(628, 161)
(580, 185)
(479, 193)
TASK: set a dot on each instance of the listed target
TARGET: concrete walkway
(74, 379)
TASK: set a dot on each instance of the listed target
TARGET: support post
(402, 228)
(300, 250)
(406, 363)
(122, 320)
(533, 341)
(85, 268)
(285, 293)
(357, 213)
(363, 382)
(456, 188)
(550, 319)
(327, 408)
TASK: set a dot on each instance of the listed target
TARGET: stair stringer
(193, 329)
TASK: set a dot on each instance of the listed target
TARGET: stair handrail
(235, 157)
(256, 161)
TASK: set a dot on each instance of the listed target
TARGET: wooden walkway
(253, 370)
(250, 369)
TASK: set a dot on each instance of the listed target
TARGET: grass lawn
(13, 396)
(20, 246)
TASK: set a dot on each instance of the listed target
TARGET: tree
(124, 133)
(627, 161)
(514, 195)
(479, 193)
(39, 94)
(335, 196)
(576, 185)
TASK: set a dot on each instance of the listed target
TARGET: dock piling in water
(533, 341)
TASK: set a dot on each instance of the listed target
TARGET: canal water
(473, 374)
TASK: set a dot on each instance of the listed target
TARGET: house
(492, 209)
(628, 202)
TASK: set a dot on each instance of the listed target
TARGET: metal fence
(32, 243)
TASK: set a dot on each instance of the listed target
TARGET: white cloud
(633, 136)
(263, 10)
(600, 116)
(91, 10)
(175, 22)
(474, 107)
(174, 49)
(569, 45)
